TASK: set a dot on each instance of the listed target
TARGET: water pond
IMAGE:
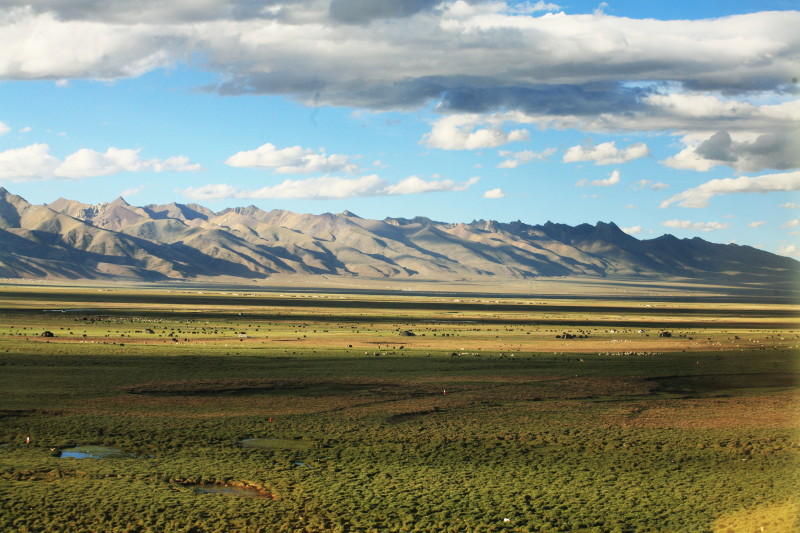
(95, 452)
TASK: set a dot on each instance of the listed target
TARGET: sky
(662, 117)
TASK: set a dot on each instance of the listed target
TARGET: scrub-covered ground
(210, 410)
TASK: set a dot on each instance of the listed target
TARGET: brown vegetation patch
(234, 386)
(711, 383)
(18, 413)
(240, 489)
(776, 411)
(412, 415)
(211, 398)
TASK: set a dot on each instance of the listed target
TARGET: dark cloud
(364, 11)
(462, 94)
(129, 11)
(718, 147)
(737, 86)
(159, 11)
(586, 99)
(768, 151)
(313, 90)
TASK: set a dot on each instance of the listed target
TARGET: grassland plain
(254, 410)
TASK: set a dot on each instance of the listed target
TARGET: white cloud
(699, 196)
(4, 128)
(26, 129)
(791, 224)
(597, 72)
(527, 7)
(40, 45)
(291, 160)
(647, 184)
(330, 187)
(494, 193)
(789, 250)
(35, 163)
(612, 179)
(696, 226)
(634, 230)
(790, 205)
(458, 132)
(515, 159)
(415, 185)
(131, 192)
(476, 56)
(29, 163)
(761, 136)
(757, 224)
(606, 153)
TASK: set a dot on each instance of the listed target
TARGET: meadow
(253, 410)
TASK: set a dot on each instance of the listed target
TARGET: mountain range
(115, 240)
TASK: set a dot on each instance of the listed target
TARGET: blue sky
(663, 117)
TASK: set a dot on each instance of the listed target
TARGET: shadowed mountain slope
(69, 239)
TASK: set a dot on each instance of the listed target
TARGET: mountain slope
(69, 239)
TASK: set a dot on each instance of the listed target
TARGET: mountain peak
(120, 201)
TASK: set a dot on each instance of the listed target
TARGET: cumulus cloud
(647, 184)
(494, 63)
(762, 135)
(471, 56)
(4, 128)
(35, 163)
(29, 163)
(494, 193)
(695, 226)
(415, 185)
(612, 179)
(756, 224)
(701, 195)
(752, 153)
(463, 132)
(515, 159)
(789, 250)
(633, 230)
(606, 153)
(42, 46)
(791, 224)
(330, 187)
(292, 160)
(87, 163)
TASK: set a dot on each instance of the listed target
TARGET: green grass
(583, 439)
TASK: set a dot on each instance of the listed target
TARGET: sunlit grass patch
(777, 518)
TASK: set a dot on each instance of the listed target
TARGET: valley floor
(211, 408)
